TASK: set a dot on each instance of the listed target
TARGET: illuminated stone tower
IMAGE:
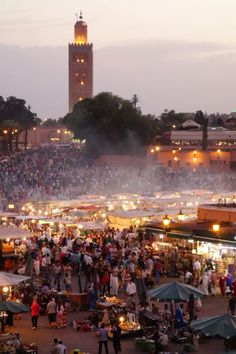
(80, 65)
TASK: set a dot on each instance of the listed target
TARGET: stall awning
(179, 235)
(196, 231)
(13, 233)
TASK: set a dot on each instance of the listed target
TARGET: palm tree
(134, 100)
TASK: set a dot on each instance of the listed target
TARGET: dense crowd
(121, 264)
(62, 172)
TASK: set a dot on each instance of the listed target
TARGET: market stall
(126, 219)
(8, 250)
(78, 300)
(7, 344)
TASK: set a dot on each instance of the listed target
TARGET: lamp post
(181, 216)
(166, 222)
(216, 227)
(34, 129)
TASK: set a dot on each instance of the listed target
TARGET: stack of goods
(129, 326)
(145, 345)
(82, 326)
(115, 301)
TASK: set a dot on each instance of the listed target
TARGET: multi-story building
(80, 65)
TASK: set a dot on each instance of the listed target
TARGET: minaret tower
(80, 65)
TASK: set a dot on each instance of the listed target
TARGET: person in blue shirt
(179, 316)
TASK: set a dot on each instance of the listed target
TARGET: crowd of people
(120, 263)
(104, 263)
(63, 172)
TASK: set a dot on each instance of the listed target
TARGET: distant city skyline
(172, 54)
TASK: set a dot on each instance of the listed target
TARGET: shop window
(169, 163)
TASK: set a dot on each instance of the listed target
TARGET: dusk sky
(178, 54)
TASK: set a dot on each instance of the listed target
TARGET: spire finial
(80, 15)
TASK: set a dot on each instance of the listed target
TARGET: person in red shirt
(105, 282)
(157, 270)
(35, 308)
(234, 287)
(222, 284)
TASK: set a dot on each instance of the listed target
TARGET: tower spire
(80, 15)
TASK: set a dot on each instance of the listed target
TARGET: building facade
(80, 65)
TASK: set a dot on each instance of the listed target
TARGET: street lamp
(166, 220)
(34, 129)
(216, 227)
(181, 216)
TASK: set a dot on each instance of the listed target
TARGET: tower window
(79, 59)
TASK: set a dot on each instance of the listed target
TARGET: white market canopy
(10, 279)
(30, 217)
(13, 233)
(190, 124)
(130, 217)
(8, 214)
(130, 214)
(86, 225)
(91, 225)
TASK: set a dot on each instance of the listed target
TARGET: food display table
(6, 345)
(109, 302)
(128, 330)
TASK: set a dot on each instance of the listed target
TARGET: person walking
(52, 313)
(103, 338)
(114, 284)
(61, 347)
(54, 349)
(191, 308)
(61, 315)
(35, 308)
(157, 270)
(116, 331)
(57, 270)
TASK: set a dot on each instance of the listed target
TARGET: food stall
(8, 249)
(78, 300)
(7, 344)
(129, 329)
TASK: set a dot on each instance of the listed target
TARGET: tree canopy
(111, 124)
(15, 117)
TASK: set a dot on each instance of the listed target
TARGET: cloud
(184, 76)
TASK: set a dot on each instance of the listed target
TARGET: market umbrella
(10, 279)
(174, 291)
(223, 325)
(12, 306)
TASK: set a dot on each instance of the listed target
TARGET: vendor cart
(78, 300)
(148, 318)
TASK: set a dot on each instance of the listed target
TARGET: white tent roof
(134, 214)
(13, 233)
(190, 123)
(30, 217)
(8, 214)
(10, 279)
(87, 225)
